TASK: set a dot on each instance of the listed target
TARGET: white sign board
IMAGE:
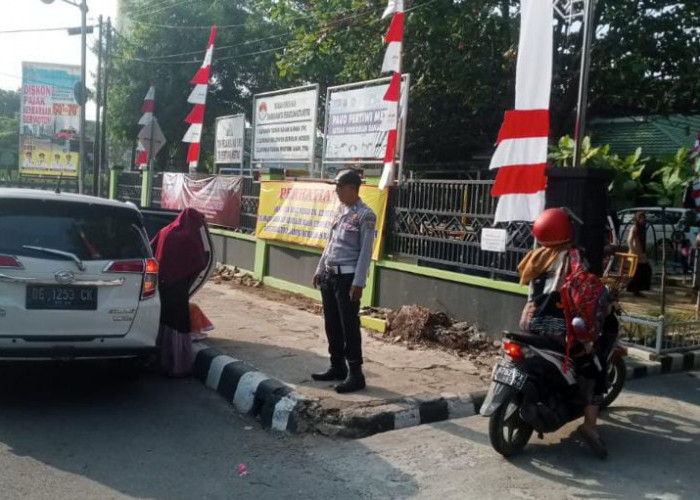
(284, 126)
(354, 117)
(230, 134)
(493, 240)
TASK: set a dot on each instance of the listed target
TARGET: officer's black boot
(337, 371)
(355, 380)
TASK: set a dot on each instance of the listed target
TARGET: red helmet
(553, 228)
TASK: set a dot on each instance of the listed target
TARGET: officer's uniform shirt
(351, 241)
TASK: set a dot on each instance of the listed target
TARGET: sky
(53, 46)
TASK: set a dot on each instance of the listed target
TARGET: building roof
(656, 135)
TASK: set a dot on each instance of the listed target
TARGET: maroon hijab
(179, 247)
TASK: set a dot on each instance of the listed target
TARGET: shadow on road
(88, 428)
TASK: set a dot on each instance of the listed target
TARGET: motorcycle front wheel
(508, 433)
(617, 374)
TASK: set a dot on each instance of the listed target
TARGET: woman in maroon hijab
(180, 251)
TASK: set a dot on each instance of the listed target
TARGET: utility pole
(588, 16)
(103, 139)
(83, 66)
(97, 146)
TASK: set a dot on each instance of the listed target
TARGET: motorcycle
(535, 388)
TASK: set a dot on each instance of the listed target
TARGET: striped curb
(279, 408)
(666, 363)
(411, 412)
(248, 390)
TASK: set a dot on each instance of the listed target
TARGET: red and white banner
(198, 97)
(147, 108)
(521, 155)
(217, 197)
(392, 62)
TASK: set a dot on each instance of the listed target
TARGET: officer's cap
(349, 176)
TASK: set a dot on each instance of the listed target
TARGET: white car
(77, 278)
(674, 222)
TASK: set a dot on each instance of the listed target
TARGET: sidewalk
(288, 344)
(266, 344)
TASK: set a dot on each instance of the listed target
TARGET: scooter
(535, 388)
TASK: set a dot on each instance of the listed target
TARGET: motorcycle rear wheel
(507, 431)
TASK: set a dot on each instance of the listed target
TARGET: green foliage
(9, 128)
(461, 57)
(672, 179)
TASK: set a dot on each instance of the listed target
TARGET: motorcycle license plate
(509, 375)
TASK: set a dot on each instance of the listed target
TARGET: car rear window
(92, 232)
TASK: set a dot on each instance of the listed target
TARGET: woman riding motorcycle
(545, 270)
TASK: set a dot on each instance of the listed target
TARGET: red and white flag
(393, 7)
(392, 63)
(394, 40)
(521, 155)
(392, 96)
(147, 108)
(198, 97)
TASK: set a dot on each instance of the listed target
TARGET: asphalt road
(86, 431)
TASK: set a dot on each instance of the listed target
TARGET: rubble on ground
(376, 312)
(234, 275)
(416, 324)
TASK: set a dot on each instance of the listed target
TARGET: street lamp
(82, 5)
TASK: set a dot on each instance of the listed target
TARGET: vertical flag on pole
(147, 108)
(198, 97)
(521, 155)
(392, 63)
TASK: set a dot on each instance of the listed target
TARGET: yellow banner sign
(303, 212)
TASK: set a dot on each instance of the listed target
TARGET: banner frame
(405, 84)
(44, 175)
(292, 90)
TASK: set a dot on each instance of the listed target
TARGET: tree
(9, 128)
(168, 58)
(461, 56)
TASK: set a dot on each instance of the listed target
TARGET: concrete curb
(666, 363)
(248, 390)
(280, 408)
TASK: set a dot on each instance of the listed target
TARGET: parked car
(65, 134)
(675, 224)
(77, 277)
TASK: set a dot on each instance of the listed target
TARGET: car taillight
(9, 261)
(126, 266)
(147, 267)
(150, 279)
(513, 351)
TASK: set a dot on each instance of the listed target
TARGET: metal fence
(249, 206)
(68, 185)
(129, 187)
(659, 335)
(440, 222)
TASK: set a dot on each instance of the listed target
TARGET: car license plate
(52, 297)
(509, 375)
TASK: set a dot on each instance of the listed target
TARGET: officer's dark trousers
(342, 319)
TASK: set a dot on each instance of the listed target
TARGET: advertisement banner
(284, 126)
(303, 212)
(354, 118)
(217, 197)
(230, 134)
(49, 120)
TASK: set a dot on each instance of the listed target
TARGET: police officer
(341, 275)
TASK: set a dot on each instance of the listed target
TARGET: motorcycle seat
(537, 341)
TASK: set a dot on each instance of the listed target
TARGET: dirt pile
(415, 324)
(234, 275)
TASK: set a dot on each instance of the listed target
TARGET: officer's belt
(340, 269)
